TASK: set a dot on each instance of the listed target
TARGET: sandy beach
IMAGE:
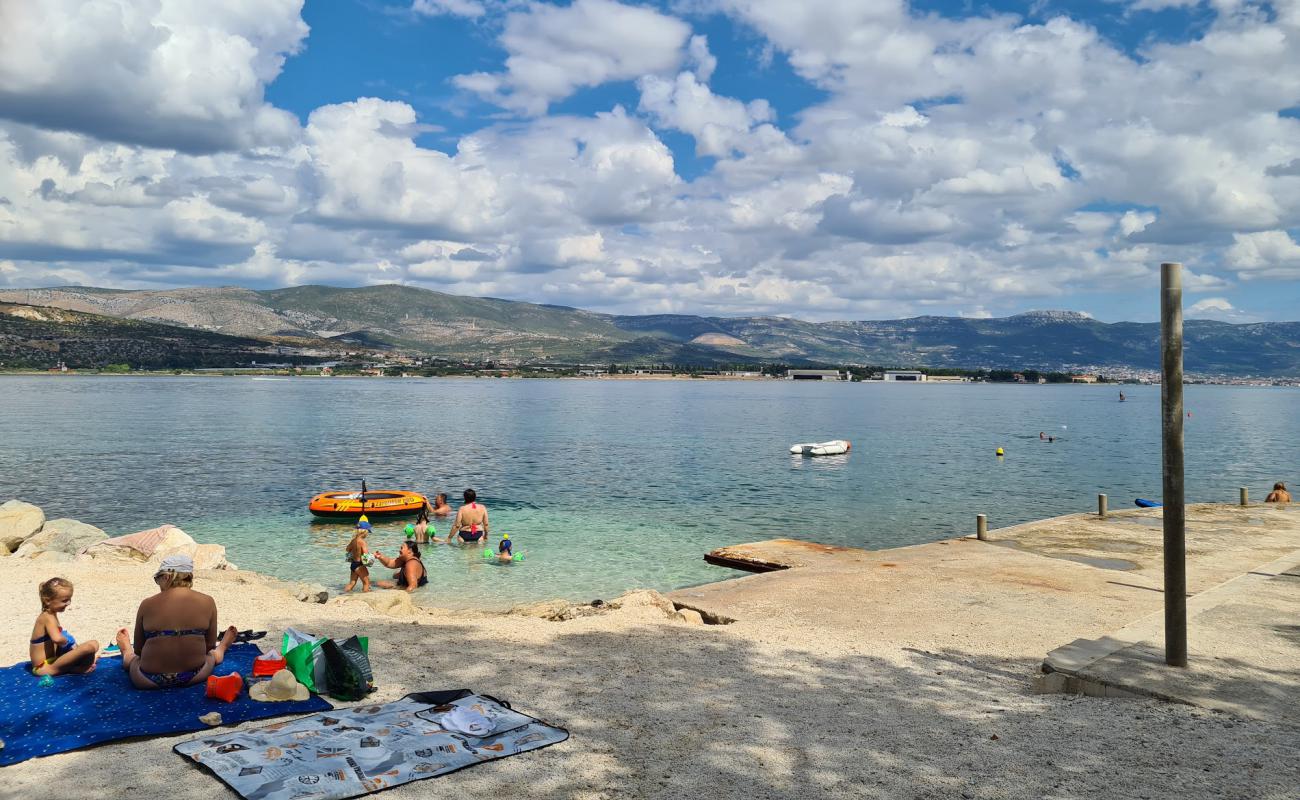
(658, 708)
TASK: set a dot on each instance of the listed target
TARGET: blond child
(358, 557)
(53, 650)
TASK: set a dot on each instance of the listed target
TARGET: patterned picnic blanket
(367, 748)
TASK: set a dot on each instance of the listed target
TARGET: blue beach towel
(81, 710)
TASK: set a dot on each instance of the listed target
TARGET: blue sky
(832, 159)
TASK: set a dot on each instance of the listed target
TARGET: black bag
(347, 669)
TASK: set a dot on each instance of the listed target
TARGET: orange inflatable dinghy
(379, 503)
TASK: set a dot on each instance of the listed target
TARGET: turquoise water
(606, 485)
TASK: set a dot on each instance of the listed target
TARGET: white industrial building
(901, 375)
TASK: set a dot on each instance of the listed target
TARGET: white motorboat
(835, 447)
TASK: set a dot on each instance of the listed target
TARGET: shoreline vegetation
(921, 692)
(1001, 377)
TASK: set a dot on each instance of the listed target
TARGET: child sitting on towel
(53, 650)
(359, 558)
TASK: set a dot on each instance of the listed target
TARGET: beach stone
(644, 598)
(18, 522)
(688, 615)
(311, 593)
(61, 535)
(54, 556)
(553, 610)
(174, 541)
(177, 541)
(390, 602)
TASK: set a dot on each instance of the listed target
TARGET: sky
(820, 159)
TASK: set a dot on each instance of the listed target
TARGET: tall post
(1174, 512)
(1101, 505)
(1244, 495)
(981, 527)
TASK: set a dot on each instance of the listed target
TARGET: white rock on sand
(18, 522)
(61, 535)
(164, 541)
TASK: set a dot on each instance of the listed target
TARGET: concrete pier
(1065, 581)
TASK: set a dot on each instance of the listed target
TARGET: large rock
(63, 536)
(177, 541)
(644, 598)
(18, 522)
(174, 541)
(52, 556)
(688, 615)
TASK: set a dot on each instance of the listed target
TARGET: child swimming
(504, 550)
(359, 558)
(53, 650)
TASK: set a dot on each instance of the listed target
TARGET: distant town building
(816, 375)
(947, 379)
(905, 375)
(1083, 379)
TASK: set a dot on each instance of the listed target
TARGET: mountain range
(409, 319)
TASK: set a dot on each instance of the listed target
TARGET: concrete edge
(1072, 661)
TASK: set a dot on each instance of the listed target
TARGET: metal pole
(1245, 496)
(1174, 512)
(1101, 505)
(981, 527)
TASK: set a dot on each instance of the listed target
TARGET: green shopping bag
(305, 658)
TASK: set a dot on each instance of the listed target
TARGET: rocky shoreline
(26, 534)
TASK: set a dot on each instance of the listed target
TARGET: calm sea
(606, 485)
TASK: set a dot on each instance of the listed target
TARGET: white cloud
(949, 164)
(456, 8)
(164, 73)
(1210, 304)
(719, 125)
(1266, 254)
(556, 50)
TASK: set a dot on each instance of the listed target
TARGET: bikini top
(187, 632)
(46, 637)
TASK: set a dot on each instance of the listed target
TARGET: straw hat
(282, 686)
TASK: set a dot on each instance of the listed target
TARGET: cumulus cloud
(556, 50)
(719, 125)
(162, 73)
(1266, 254)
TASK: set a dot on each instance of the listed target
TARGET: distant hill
(34, 337)
(419, 320)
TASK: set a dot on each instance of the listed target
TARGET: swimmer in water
(440, 507)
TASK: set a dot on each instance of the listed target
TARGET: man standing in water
(471, 523)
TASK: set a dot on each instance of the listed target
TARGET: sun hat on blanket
(282, 686)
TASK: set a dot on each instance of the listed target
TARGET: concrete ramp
(1243, 650)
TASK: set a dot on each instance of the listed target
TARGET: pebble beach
(661, 706)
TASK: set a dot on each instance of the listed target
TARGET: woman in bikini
(471, 523)
(175, 642)
(410, 574)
